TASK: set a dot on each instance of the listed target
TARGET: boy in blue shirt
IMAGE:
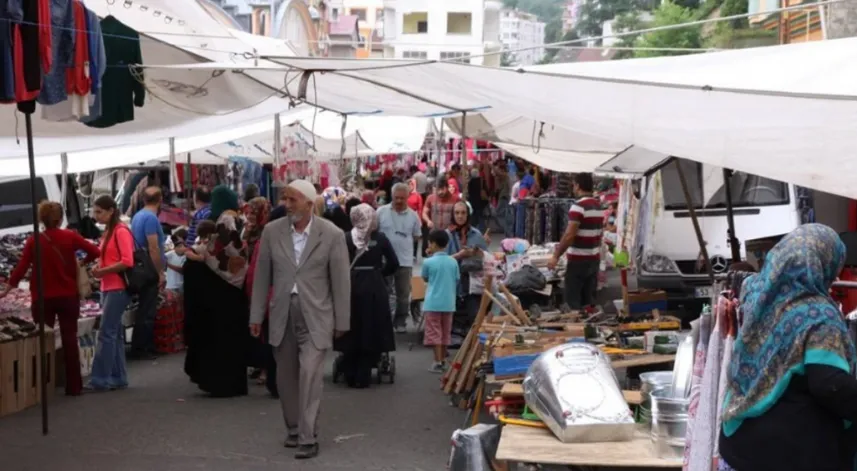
(440, 271)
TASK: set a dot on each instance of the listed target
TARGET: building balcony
(493, 5)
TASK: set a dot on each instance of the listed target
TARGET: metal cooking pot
(669, 423)
(650, 382)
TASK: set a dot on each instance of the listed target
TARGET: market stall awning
(744, 109)
(633, 162)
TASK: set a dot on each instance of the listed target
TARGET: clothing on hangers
(78, 84)
(121, 90)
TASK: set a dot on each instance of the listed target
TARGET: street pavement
(162, 423)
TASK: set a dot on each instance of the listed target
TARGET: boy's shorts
(438, 328)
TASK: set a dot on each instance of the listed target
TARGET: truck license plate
(703, 292)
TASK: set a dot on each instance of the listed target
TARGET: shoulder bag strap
(56, 249)
(357, 257)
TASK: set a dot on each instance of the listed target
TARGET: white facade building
(523, 35)
(443, 30)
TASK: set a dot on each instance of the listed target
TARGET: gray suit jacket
(322, 275)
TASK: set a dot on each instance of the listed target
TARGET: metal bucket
(669, 423)
(649, 382)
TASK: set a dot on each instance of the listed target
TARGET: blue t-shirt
(144, 224)
(441, 274)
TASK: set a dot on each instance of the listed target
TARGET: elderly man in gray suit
(305, 260)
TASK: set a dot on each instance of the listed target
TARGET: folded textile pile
(13, 328)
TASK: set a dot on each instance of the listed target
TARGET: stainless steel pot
(669, 423)
(573, 389)
(650, 382)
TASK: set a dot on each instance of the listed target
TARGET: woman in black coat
(371, 334)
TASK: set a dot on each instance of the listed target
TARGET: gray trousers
(581, 283)
(400, 295)
(300, 377)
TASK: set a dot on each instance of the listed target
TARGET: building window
(459, 23)
(415, 23)
(360, 13)
(420, 55)
(462, 57)
(334, 14)
(379, 14)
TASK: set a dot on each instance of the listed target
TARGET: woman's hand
(97, 272)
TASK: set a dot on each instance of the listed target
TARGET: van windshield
(747, 190)
(15, 209)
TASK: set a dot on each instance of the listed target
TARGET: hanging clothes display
(31, 45)
(62, 41)
(78, 83)
(122, 88)
(242, 173)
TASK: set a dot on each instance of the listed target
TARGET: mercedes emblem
(718, 264)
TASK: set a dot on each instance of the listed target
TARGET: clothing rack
(544, 219)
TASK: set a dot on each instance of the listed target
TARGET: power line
(670, 27)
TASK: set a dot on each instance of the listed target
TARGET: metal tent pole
(37, 273)
(687, 197)
(734, 243)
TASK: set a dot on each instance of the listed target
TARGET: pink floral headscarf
(363, 223)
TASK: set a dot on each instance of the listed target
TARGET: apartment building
(463, 30)
(523, 35)
(370, 24)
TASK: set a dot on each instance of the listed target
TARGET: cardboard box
(643, 301)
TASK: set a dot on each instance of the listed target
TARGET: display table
(519, 444)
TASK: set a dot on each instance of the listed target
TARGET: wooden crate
(20, 370)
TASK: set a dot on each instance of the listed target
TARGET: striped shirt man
(589, 216)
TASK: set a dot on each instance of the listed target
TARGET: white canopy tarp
(176, 104)
(747, 109)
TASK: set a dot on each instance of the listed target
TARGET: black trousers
(581, 283)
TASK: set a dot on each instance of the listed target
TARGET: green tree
(594, 13)
(669, 14)
(507, 60)
(629, 21)
(550, 53)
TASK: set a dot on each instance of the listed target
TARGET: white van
(16, 214)
(668, 253)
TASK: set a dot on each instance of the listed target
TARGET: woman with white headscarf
(372, 260)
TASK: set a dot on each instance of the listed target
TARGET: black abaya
(217, 332)
(371, 332)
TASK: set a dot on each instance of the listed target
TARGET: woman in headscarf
(791, 393)
(372, 260)
(258, 211)
(467, 246)
(216, 306)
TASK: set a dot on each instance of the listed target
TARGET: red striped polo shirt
(588, 214)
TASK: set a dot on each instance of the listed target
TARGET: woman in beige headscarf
(372, 259)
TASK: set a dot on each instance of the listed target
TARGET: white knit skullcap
(305, 188)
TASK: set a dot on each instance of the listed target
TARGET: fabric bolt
(63, 41)
(438, 328)
(121, 89)
(696, 381)
(700, 450)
